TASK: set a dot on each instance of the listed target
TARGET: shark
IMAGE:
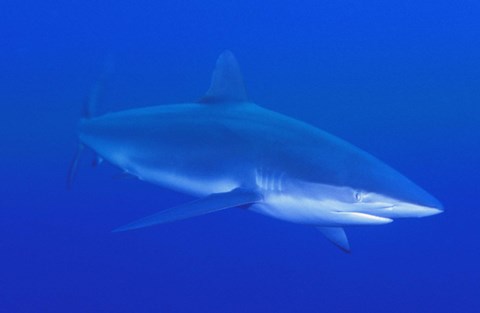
(229, 152)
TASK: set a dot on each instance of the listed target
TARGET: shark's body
(234, 153)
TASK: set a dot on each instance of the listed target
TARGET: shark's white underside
(284, 203)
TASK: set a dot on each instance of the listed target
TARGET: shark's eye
(358, 196)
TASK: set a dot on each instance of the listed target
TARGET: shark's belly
(195, 185)
(292, 209)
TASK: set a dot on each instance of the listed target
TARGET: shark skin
(231, 152)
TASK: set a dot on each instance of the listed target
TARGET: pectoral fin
(209, 204)
(337, 236)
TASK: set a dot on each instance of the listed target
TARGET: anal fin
(211, 203)
(337, 236)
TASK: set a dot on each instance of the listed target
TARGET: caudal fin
(89, 110)
(90, 107)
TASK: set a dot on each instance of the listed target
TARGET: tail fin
(72, 170)
(90, 107)
(89, 110)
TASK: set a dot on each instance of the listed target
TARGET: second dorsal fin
(227, 82)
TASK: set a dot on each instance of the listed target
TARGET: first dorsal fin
(227, 82)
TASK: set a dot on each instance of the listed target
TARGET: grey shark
(232, 153)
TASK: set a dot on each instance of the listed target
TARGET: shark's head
(381, 190)
(378, 203)
(364, 184)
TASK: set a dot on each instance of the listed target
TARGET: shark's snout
(422, 205)
(412, 210)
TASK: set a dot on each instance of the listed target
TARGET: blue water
(399, 79)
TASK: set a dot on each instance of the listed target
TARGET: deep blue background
(400, 79)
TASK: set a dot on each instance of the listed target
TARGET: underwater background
(399, 79)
